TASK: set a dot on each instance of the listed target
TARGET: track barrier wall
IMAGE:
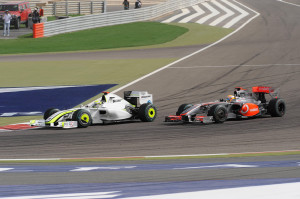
(113, 18)
(38, 30)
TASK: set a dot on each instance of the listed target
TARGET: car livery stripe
(59, 116)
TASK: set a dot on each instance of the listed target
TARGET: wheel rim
(221, 114)
(151, 112)
(281, 108)
(85, 118)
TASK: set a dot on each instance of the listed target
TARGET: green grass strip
(126, 35)
(198, 34)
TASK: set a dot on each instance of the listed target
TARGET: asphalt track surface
(265, 52)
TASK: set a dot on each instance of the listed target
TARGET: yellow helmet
(230, 98)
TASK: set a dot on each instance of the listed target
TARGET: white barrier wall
(114, 18)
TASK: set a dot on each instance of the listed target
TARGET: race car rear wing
(266, 90)
(138, 97)
(262, 89)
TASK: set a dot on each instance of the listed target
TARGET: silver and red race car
(242, 104)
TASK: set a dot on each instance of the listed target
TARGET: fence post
(79, 8)
(67, 8)
(92, 10)
(54, 9)
(104, 6)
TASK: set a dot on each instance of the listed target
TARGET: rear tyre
(147, 112)
(50, 112)
(83, 117)
(276, 107)
(219, 113)
(182, 108)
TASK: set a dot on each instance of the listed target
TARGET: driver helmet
(230, 98)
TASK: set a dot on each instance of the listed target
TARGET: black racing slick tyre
(147, 112)
(219, 113)
(276, 107)
(83, 118)
(50, 112)
(182, 108)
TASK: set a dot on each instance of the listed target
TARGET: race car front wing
(65, 124)
(188, 118)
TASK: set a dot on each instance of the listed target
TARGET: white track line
(92, 195)
(289, 3)
(19, 89)
(199, 12)
(226, 66)
(236, 19)
(214, 13)
(4, 130)
(190, 55)
(273, 191)
(185, 11)
(222, 18)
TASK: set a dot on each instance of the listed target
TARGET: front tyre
(219, 113)
(182, 108)
(276, 107)
(147, 112)
(83, 118)
(50, 112)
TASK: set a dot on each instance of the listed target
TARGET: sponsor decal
(249, 109)
(254, 109)
(145, 96)
(245, 109)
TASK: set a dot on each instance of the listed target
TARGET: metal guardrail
(114, 18)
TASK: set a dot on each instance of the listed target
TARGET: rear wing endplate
(138, 97)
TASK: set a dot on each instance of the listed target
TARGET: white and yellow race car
(136, 105)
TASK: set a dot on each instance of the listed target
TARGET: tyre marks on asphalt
(222, 13)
